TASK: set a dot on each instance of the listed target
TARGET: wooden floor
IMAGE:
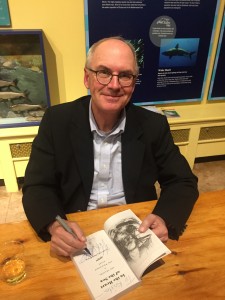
(211, 175)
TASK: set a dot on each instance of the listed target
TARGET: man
(101, 150)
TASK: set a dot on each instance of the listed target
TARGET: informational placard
(217, 86)
(172, 41)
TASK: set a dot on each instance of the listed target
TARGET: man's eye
(125, 76)
(104, 73)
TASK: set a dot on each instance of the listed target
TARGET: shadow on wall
(51, 72)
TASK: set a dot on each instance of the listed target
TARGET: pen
(68, 229)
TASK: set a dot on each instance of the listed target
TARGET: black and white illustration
(131, 243)
(138, 249)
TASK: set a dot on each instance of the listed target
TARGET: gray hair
(95, 45)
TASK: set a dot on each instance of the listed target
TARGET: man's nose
(114, 83)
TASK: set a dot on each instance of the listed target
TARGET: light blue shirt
(107, 188)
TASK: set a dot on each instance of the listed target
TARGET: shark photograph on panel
(178, 52)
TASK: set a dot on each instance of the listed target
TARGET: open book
(120, 255)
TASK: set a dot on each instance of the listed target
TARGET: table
(194, 270)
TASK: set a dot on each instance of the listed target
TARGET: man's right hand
(63, 243)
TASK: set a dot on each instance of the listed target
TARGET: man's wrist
(50, 227)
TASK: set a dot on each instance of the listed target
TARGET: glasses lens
(125, 79)
(104, 77)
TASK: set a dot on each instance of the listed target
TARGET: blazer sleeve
(41, 199)
(179, 190)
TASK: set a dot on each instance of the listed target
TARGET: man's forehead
(112, 41)
(112, 46)
(112, 55)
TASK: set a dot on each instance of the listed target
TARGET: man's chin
(112, 106)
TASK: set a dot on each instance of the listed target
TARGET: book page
(139, 249)
(106, 273)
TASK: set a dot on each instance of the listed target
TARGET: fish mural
(8, 84)
(178, 52)
(24, 94)
(25, 107)
(4, 96)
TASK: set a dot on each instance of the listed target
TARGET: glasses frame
(96, 74)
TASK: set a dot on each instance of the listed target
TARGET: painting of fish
(12, 95)
(23, 78)
(8, 84)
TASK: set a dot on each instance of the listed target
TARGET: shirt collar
(118, 128)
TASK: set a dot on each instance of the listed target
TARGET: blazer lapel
(82, 143)
(132, 154)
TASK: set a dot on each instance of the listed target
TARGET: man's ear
(86, 78)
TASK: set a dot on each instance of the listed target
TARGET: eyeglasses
(104, 77)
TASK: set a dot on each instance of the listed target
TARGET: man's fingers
(147, 223)
(64, 243)
(157, 225)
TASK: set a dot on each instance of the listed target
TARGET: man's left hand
(157, 225)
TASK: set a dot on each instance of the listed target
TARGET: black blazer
(59, 175)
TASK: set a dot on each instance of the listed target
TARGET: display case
(24, 93)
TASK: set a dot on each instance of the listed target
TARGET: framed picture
(5, 20)
(24, 92)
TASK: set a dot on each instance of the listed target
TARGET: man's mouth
(113, 97)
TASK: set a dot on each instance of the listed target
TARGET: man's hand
(63, 243)
(157, 225)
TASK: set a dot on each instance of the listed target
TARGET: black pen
(68, 229)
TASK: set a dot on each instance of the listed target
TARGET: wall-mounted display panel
(172, 40)
(24, 93)
(217, 85)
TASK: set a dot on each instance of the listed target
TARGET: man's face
(116, 57)
(126, 237)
